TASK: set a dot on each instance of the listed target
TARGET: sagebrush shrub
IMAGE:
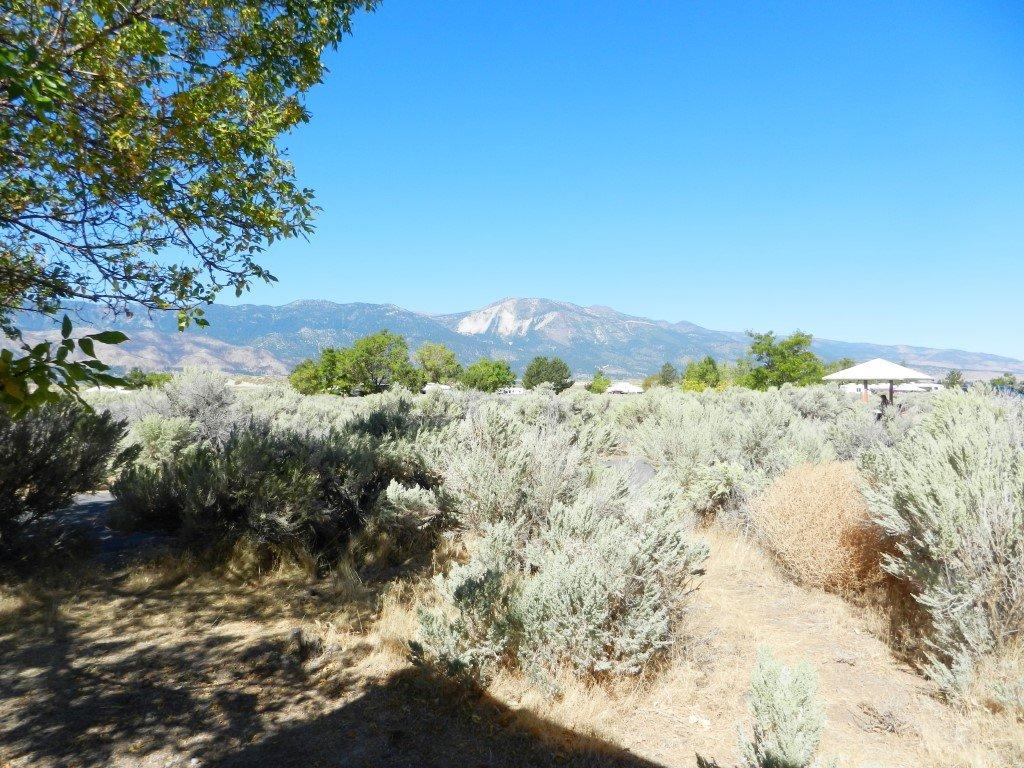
(204, 399)
(287, 492)
(723, 447)
(47, 456)
(160, 438)
(503, 463)
(950, 496)
(605, 579)
(594, 584)
(788, 717)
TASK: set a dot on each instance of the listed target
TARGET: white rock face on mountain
(509, 317)
(559, 322)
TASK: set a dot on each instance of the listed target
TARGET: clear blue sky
(852, 169)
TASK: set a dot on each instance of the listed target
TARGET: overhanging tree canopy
(138, 155)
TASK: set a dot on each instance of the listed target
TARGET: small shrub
(815, 522)
(789, 718)
(607, 579)
(500, 464)
(47, 456)
(404, 523)
(999, 681)
(205, 400)
(160, 438)
(474, 626)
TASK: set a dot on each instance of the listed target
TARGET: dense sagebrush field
(564, 539)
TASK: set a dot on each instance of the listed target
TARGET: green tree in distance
(139, 164)
(306, 378)
(668, 375)
(488, 375)
(1009, 382)
(377, 362)
(701, 374)
(553, 371)
(839, 365)
(953, 380)
(438, 363)
(137, 378)
(373, 364)
(782, 361)
(599, 384)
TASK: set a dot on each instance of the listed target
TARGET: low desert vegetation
(815, 522)
(46, 456)
(563, 540)
(788, 718)
(950, 496)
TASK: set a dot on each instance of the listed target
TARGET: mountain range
(262, 339)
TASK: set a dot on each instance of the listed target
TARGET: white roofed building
(624, 388)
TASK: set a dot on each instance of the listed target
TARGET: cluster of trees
(1005, 382)
(1008, 382)
(771, 362)
(372, 364)
(381, 360)
(136, 378)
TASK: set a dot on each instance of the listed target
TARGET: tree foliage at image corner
(139, 164)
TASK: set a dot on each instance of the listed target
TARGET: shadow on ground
(96, 672)
(414, 719)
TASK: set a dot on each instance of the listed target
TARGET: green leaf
(65, 327)
(108, 337)
(86, 345)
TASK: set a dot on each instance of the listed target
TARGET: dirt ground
(133, 667)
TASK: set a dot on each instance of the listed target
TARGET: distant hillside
(262, 339)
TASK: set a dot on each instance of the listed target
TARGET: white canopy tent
(879, 370)
(624, 388)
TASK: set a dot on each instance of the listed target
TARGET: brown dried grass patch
(814, 522)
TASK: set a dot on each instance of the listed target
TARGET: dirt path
(880, 713)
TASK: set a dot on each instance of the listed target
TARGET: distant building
(431, 386)
(624, 388)
(511, 391)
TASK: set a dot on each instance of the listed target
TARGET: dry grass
(999, 683)
(162, 663)
(814, 522)
(880, 712)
